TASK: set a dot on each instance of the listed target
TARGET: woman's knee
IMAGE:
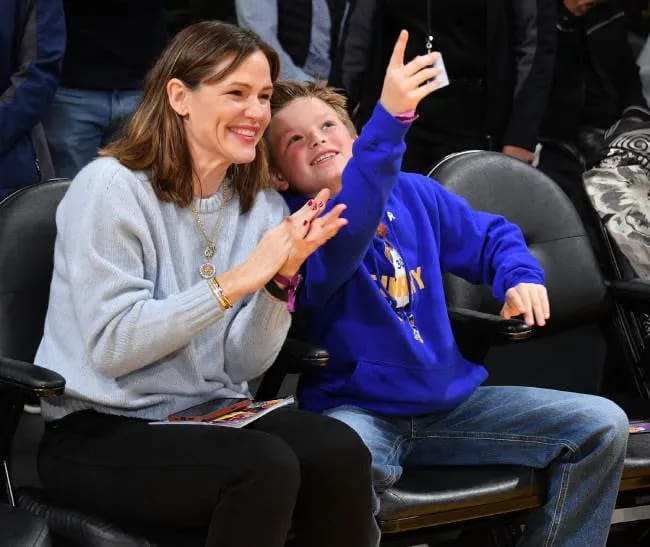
(338, 447)
(276, 471)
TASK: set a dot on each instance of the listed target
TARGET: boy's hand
(405, 85)
(529, 300)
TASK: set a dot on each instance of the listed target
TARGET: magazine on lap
(239, 417)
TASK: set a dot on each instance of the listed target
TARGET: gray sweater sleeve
(257, 332)
(105, 239)
(255, 337)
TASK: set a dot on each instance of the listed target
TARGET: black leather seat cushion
(473, 492)
(436, 495)
(636, 473)
(89, 530)
(20, 528)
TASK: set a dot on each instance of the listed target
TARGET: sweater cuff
(272, 313)
(197, 307)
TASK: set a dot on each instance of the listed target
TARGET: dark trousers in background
(566, 170)
(239, 485)
(425, 148)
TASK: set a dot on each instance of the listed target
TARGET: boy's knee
(610, 421)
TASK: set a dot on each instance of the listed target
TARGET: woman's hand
(284, 248)
(405, 85)
(261, 265)
(309, 230)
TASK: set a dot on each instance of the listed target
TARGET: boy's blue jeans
(580, 438)
(81, 121)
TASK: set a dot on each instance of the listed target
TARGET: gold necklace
(207, 269)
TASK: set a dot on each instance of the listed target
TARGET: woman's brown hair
(154, 139)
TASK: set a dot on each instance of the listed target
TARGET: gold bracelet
(217, 291)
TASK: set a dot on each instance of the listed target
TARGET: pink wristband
(406, 117)
(292, 284)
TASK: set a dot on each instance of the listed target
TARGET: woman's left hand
(310, 230)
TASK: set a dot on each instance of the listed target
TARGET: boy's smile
(310, 145)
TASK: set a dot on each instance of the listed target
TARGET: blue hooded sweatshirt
(374, 293)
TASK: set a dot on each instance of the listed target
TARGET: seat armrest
(295, 357)
(302, 356)
(510, 330)
(30, 378)
(633, 292)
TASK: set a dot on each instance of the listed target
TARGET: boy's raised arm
(371, 173)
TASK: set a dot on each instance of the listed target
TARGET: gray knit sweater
(131, 325)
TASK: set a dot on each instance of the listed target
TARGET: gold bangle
(217, 291)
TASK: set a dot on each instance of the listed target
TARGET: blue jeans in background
(81, 121)
(582, 440)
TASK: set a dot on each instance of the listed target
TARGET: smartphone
(209, 410)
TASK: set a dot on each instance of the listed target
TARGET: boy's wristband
(291, 284)
(406, 117)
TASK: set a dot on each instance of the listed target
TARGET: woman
(170, 288)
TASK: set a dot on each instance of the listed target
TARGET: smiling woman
(199, 87)
(224, 115)
(171, 271)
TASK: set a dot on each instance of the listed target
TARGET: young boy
(377, 304)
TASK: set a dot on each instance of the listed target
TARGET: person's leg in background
(334, 506)
(75, 126)
(426, 147)
(123, 104)
(582, 440)
(566, 170)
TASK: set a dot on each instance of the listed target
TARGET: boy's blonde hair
(285, 91)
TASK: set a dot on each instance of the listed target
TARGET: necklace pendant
(207, 270)
(208, 252)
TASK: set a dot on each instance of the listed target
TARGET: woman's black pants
(244, 487)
